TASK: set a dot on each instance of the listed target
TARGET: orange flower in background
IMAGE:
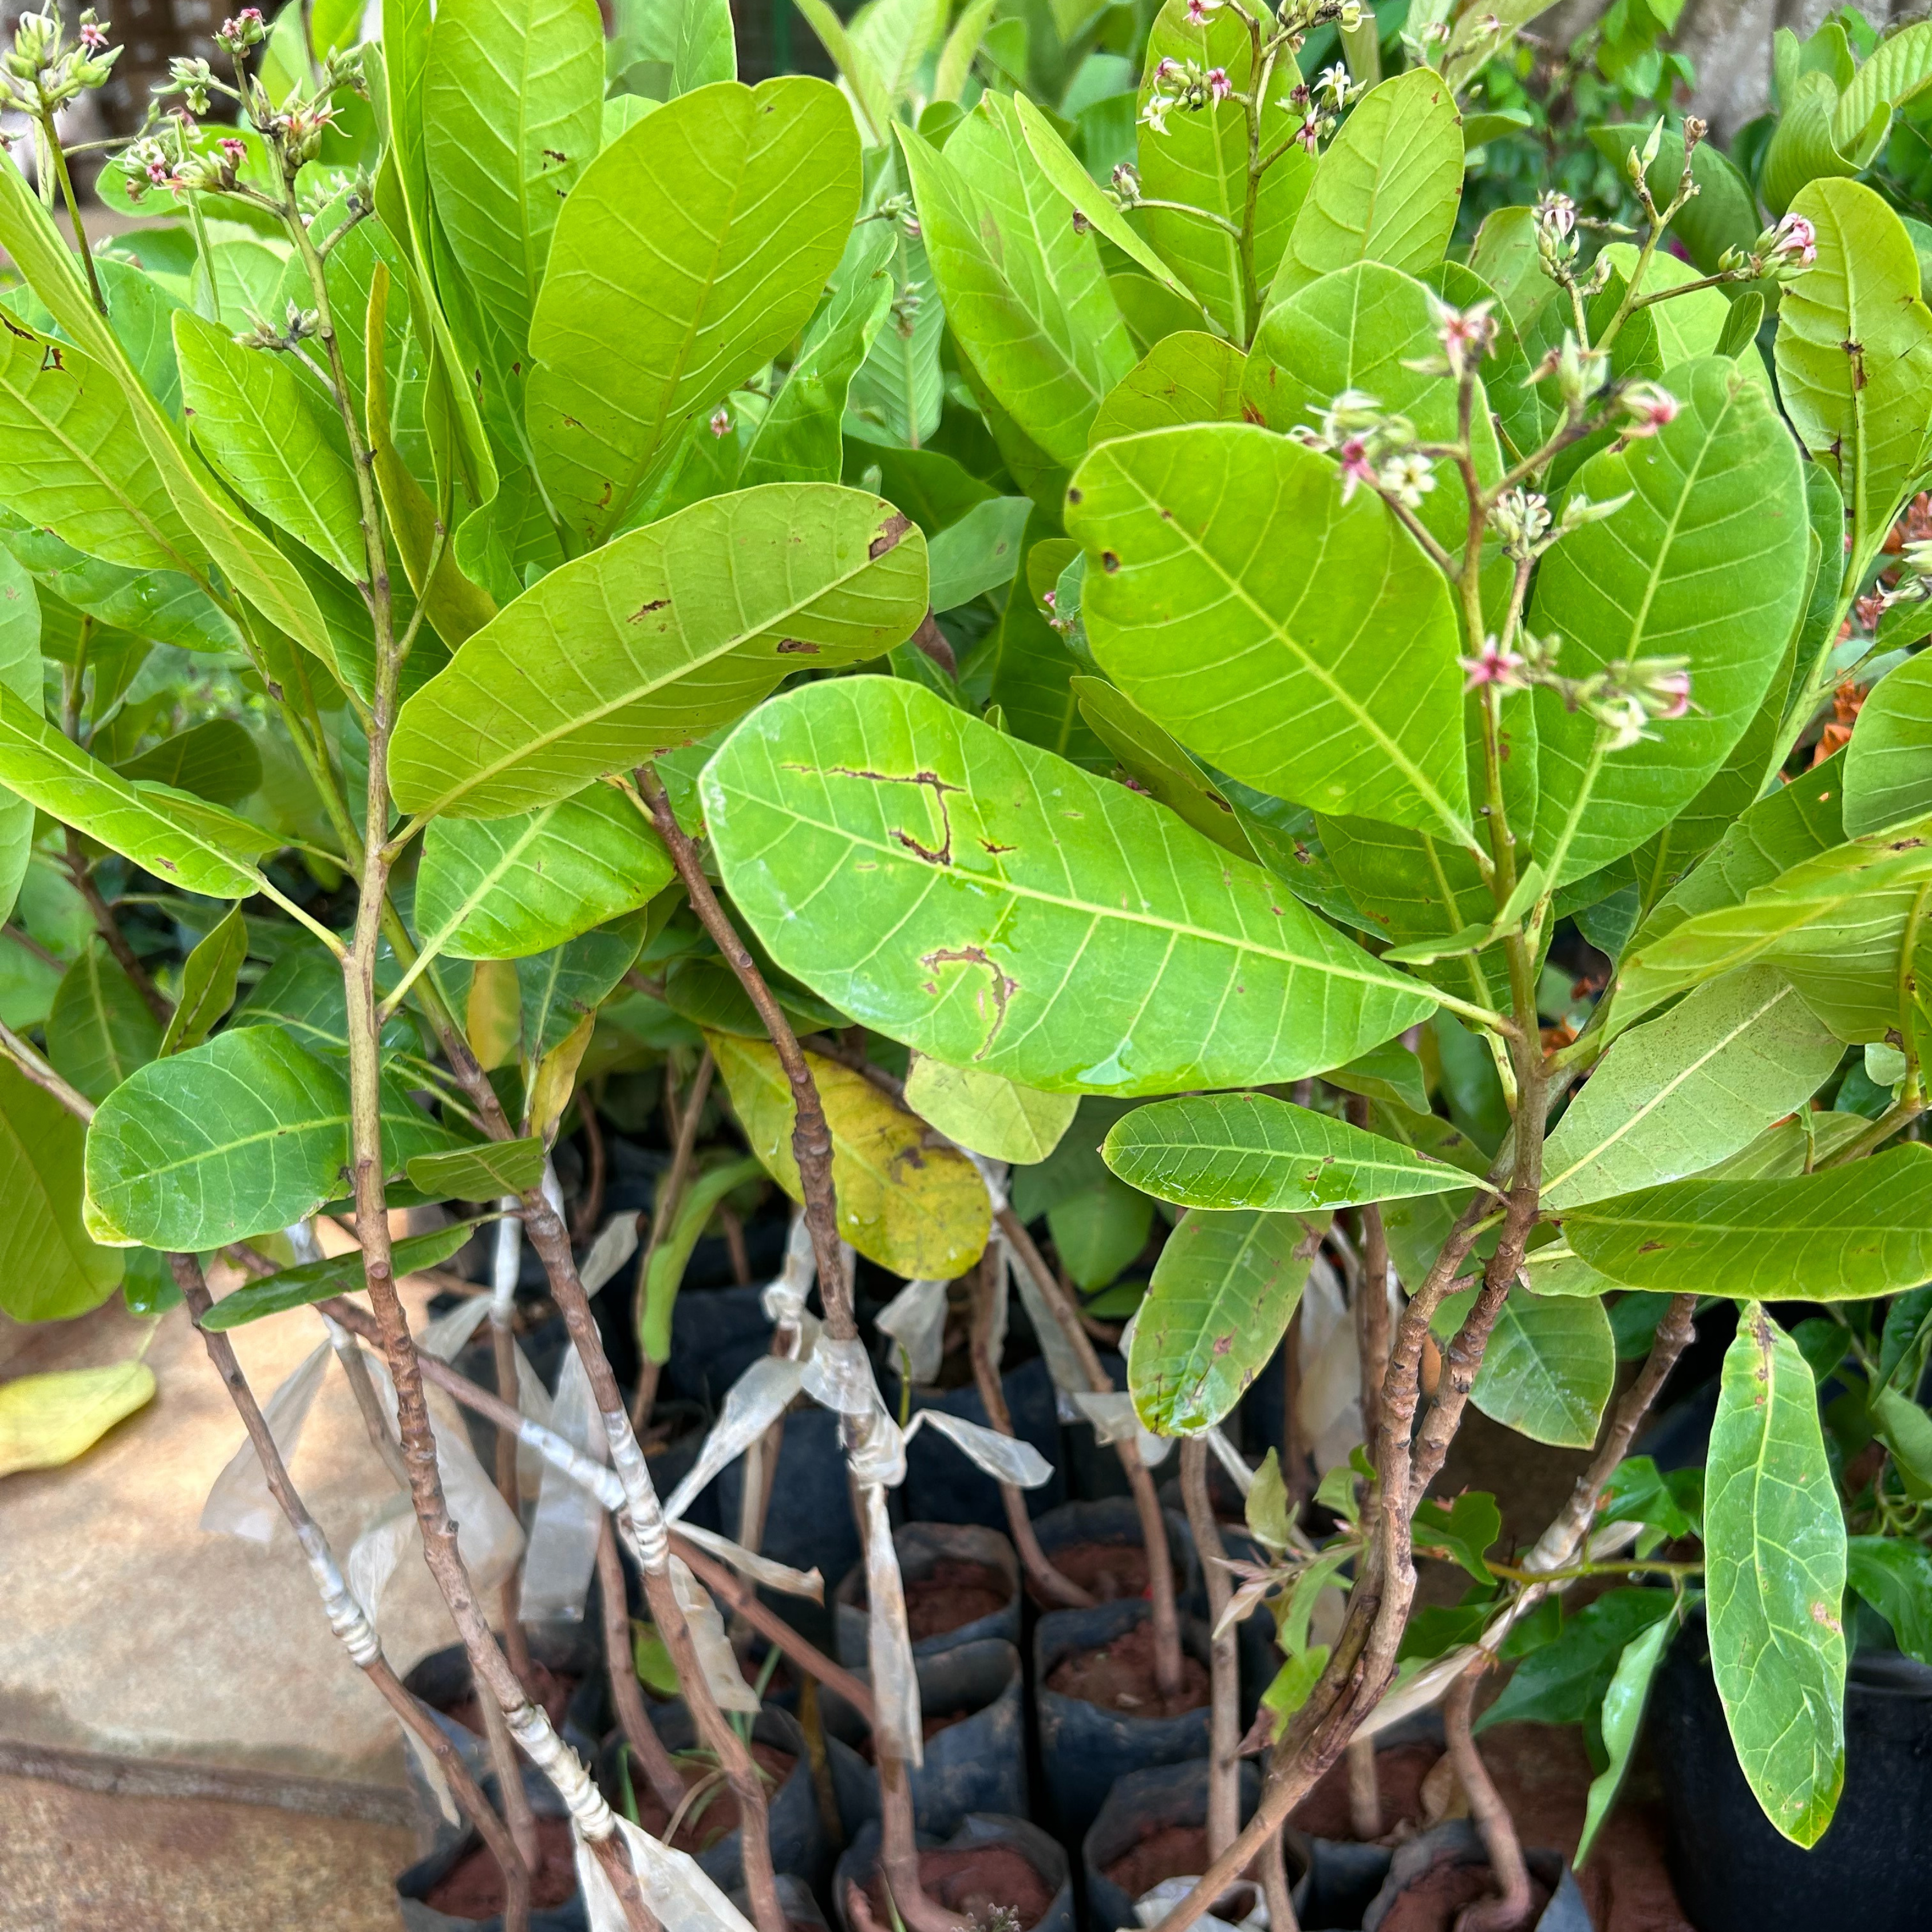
(1846, 702)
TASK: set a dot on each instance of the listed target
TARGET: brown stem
(1224, 1729)
(733, 1222)
(663, 1207)
(1047, 1579)
(382, 1437)
(1372, 1308)
(547, 1235)
(522, 1820)
(1365, 1796)
(516, 1641)
(811, 1149)
(640, 1733)
(109, 927)
(1508, 1910)
(1165, 1618)
(194, 1286)
(590, 1209)
(1275, 1888)
(28, 1063)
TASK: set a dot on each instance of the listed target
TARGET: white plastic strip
(839, 1377)
(562, 1549)
(755, 1401)
(683, 1898)
(239, 1503)
(374, 1556)
(716, 1657)
(1231, 1459)
(1112, 1414)
(1005, 1458)
(505, 1260)
(617, 1242)
(916, 1318)
(895, 1712)
(1062, 1363)
(446, 1337)
(807, 1583)
(345, 1617)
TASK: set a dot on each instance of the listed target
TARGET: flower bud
(1650, 408)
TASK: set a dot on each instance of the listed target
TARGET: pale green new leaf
(1187, 377)
(991, 1116)
(195, 845)
(1387, 188)
(1680, 1093)
(656, 640)
(20, 672)
(100, 1029)
(1898, 68)
(693, 38)
(1200, 158)
(511, 119)
(1621, 1718)
(1028, 300)
(1707, 561)
(1844, 1234)
(243, 1134)
(1228, 1150)
(995, 906)
(693, 250)
(50, 1269)
(1774, 1553)
(864, 86)
(503, 888)
(1888, 763)
(899, 389)
(208, 982)
(1223, 1292)
(1854, 356)
(1235, 598)
(1550, 1366)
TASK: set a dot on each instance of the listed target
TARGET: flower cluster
(1371, 447)
(1625, 697)
(1185, 86)
(1522, 519)
(1778, 255)
(247, 29)
(1320, 102)
(43, 71)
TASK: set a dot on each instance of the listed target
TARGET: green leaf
(657, 638)
(1563, 1682)
(192, 844)
(162, 605)
(1846, 1234)
(1389, 1072)
(1888, 763)
(695, 248)
(237, 1137)
(992, 1116)
(668, 1260)
(1622, 1714)
(979, 553)
(215, 759)
(270, 435)
(918, 1209)
(1025, 295)
(1364, 328)
(1550, 1367)
(504, 888)
(1251, 1150)
(72, 458)
(1854, 356)
(995, 906)
(1387, 188)
(1213, 547)
(1670, 1501)
(50, 1268)
(1461, 1531)
(559, 989)
(1707, 561)
(1675, 1096)
(1774, 1555)
(47, 1419)
(899, 389)
(311, 1282)
(1187, 377)
(1201, 159)
(484, 1173)
(866, 86)
(1802, 147)
(1224, 1290)
(1834, 924)
(511, 120)
(207, 983)
(1034, 671)
(100, 1029)
(693, 38)
(1894, 1574)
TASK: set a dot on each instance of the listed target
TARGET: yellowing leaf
(993, 1116)
(912, 1205)
(46, 1420)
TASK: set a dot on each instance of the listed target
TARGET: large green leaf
(482, 1172)
(1200, 158)
(986, 1113)
(1228, 1151)
(1844, 1234)
(511, 119)
(1239, 602)
(100, 1029)
(1774, 1556)
(1187, 377)
(917, 1207)
(1888, 763)
(1677, 1095)
(1550, 1367)
(1025, 295)
(692, 38)
(1223, 1292)
(1563, 1681)
(310, 1281)
(1898, 68)
(245, 1133)
(1367, 328)
(693, 250)
(164, 604)
(657, 639)
(995, 906)
(558, 989)
(899, 390)
(72, 459)
(216, 760)
(1386, 189)
(50, 1269)
(1835, 925)
(1706, 561)
(197, 846)
(1854, 356)
(501, 888)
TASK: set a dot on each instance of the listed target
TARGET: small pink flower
(237, 151)
(720, 421)
(93, 36)
(1050, 599)
(1198, 11)
(157, 173)
(1162, 69)
(1353, 455)
(1309, 133)
(1219, 85)
(1670, 694)
(1493, 664)
(1795, 239)
(1650, 409)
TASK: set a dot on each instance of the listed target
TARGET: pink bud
(720, 421)
(1219, 85)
